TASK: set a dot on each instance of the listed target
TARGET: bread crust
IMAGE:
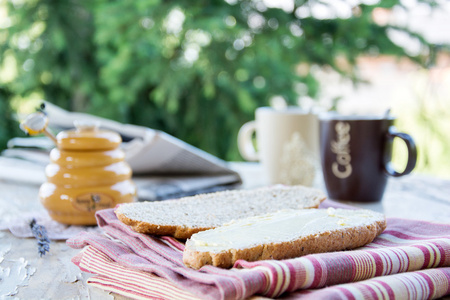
(328, 241)
(177, 231)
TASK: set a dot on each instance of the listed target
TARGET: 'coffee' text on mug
(341, 167)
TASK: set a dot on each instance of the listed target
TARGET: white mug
(287, 144)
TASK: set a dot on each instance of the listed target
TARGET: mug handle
(412, 153)
(245, 144)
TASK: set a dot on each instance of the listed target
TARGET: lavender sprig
(40, 233)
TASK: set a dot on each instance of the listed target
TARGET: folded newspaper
(163, 166)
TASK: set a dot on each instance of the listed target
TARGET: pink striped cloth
(409, 260)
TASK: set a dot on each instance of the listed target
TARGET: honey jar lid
(88, 137)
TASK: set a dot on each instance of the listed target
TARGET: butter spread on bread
(283, 234)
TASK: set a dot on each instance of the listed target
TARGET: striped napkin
(409, 260)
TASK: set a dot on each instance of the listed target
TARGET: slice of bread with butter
(183, 217)
(283, 234)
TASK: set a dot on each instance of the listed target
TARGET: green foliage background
(199, 81)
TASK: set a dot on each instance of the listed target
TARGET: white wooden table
(54, 276)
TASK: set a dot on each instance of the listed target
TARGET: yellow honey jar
(87, 172)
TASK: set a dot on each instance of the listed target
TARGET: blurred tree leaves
(196, 70)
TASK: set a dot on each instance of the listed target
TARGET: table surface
(54, 276)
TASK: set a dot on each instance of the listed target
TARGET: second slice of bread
(183, 217)
(281, 235)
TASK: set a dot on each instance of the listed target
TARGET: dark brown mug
(356, 154)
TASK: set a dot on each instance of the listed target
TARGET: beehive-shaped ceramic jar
(87, 173)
